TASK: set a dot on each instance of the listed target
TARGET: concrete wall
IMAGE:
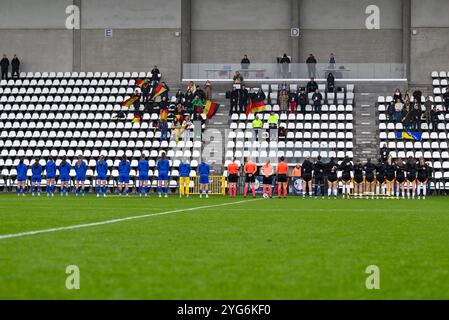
(143, 36)
(132, 50)
(339, 27)
(222, 31)
(52, 52)
(130, 14)
(429, 47)
(35, 31)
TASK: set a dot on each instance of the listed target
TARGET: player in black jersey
(358, 179)
(423, 177)
(380, 179)
(318, 174)
(346, 168)
(390, 176)
(306, 172)
(411, 168)
(400, 178)
(370, 178)
(332, 179)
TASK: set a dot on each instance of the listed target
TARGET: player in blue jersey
(64, 176)
(102, 173)
(36, 178)
(80, 178)
(143, 168)
(22, 169)
(184, 178)
(204, 171)
(163, 166)
(50, 175)
(124, 168)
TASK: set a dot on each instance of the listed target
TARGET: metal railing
(272, 71)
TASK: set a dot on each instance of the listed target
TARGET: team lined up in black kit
(386, 178)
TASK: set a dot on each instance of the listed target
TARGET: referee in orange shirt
(282, 177)
(250, 170)
(233, 178)
(267, 172)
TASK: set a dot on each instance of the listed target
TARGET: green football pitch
(220, 248)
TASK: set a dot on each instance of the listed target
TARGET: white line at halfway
(99, 223)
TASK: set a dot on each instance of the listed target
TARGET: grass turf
(266, 249)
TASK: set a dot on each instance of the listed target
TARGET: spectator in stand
(177, 129)
(283, 101)
(244, 64)
(244, 99)
(180, 112)
(163, 124)
(311, 66)
(332, 61)
(136, 103)
(197, 106)
(397, 95)
(427, 107)
(312, 86)
(155, 74)
(282, 133)
(446, 99)
(179, 96)
(284, 86)
(303, 100)
(200, 92)
(238, 78)
(257, 126)
(293, 102)
(4, 66)
(15, 66)
(285, 63)
(187, 125)
(316, 98)
(407, 117)
(384, 152)
(416, 120)
(417, 94)
(391, 111)
(398, 106)
(163, 104)
(166, 92)
(145, 93)
(191, 86)
(260, 95)
(330, 82)
(407, 98)
(273, 121)
(208, 90)
(188, 98)
(434, 113)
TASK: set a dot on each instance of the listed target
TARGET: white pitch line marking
(99, 223)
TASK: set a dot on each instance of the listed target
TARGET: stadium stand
(328, 134)
(434, 143)
(55, 114)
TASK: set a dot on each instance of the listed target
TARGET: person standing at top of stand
(285, 64)
(311, 66)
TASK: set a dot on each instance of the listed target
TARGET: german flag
(255, 106)
(210, 108)
(141, 83)
(136, 119)
(130, 101)
(160, 89)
